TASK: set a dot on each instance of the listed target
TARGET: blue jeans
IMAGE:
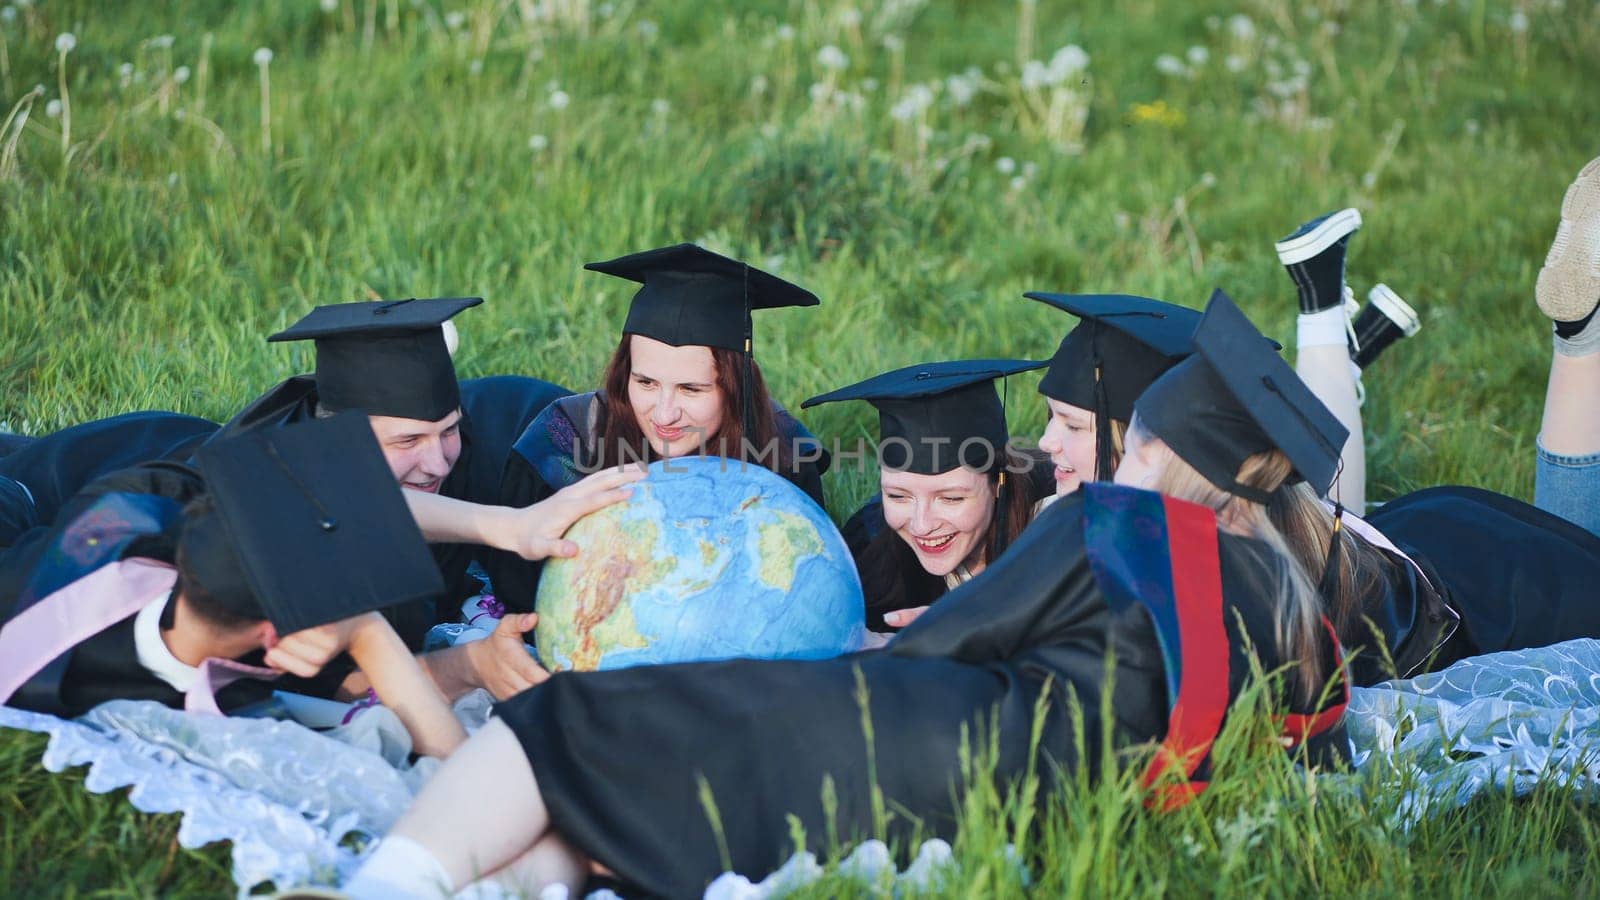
(1568, 486)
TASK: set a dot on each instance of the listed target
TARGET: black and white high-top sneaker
(1385, 319)
(1314, 256)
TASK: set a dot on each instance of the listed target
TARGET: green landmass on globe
(709, 559)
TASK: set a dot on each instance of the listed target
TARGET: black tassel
(1103, 469)
(1329, 585)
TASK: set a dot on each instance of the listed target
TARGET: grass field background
(169, 195)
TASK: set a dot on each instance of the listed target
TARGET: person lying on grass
(1444, 573)
(280, 556)
(1147, 604)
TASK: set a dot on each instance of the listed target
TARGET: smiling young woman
(681, 381)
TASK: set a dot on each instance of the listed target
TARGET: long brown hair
(1298, 609)
(621, 440)
(1307, 528)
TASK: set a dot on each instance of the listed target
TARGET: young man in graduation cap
(162, 579)
(954, 492)
(681, 381)
(1120, 345)
(392, 361)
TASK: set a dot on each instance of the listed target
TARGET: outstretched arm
(532, 532)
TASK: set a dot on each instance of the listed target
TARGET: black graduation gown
(1520, 577)
(106, 666)
(554, 451)
(621, 756)
(55, 467)
(495, 411)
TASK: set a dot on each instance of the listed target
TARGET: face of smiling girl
(1069, 438)
(942, 517)
(674, 395)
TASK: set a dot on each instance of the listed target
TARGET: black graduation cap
(385, 358)
(305, 526)
(691, 296)
(1236, 397)
(1120, 346)
(936, 416)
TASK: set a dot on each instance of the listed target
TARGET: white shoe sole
(1299, 249)
(1569, 284)
(1398, 311)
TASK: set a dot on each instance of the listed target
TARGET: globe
(710, 558)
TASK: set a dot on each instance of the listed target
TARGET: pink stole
(88, 606)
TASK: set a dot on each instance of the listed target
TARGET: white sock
(1584, 343)
(399, 868)
(1322, 329)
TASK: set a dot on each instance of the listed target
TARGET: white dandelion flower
(53, 109)
(818, 92)
(125, 71)
(1198, 56)
(1005, 165)
(1167, 64)
(455, 19)
(961, 89)
(1068, 61)
(538, 143)
(785, 33)
(1518, 21)
(1208, 180)
(162, 41)
(329, 6)
(758, 85)
(1035, 75)
(65, 41)
(262, 56)
(1234, 62)
(1240, 26)
(559, 100)
(179, 75)
(832, 58)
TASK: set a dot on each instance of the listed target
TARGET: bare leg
(480, 812)
(1326, 370)
(1571, 425)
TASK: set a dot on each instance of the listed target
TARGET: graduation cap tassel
(1329, 583)
(748, 410)
(1102, 428)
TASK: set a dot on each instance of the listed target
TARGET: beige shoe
(1569, 284)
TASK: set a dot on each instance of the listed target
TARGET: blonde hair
(1307, 527)
(1298, 609)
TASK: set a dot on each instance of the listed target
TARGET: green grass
(142, 265)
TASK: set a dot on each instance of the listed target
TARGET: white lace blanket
(299, 805)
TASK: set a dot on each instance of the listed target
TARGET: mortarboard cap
(936, 416)
(691, 296)
(385, 358)
(1121, 344)
(305, 526)
(1236, 397)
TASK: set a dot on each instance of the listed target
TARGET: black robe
(494, 412)
(1518, 576)
(57, 466)
(559, 447)
(106, 666)
(622, 757)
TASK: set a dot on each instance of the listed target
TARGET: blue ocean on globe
(710, 558)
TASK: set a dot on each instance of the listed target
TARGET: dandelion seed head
(125, 71)
(538, 143)
(475, 67)
(818, 92)
(1208, 180)
(869, 84)
(179, 75)
(162, 41)
(53, 109)
(850, 17)
(65, 41)
(832, 59)
(961, 89)
(8, 13)
(758, 85)
(1240, 26)
(329, 6)
(1198, 56)
(1369, 180)
(785, 33)
(1518, 21)
(454, 19)
(1167, 64)
(648, 29)
(559, 100)
(1035, 75)
(262, 56)
(1068, 61)
(1234, 62)
(660, 106)
(893, 43)
(1005, 165)
(1018, 183)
